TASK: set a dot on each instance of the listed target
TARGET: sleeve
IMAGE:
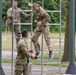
(9, 12)
(25, 15)
(46, 18)
(34, 17)
(24, 51)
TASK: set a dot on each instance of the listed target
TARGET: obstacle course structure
(71, 69)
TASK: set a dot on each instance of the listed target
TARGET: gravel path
(36, 70)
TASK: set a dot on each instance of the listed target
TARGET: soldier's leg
(47, 38)
(48, 41)
(18, 69)
(17, 30)
(26, 70)
(35, 40)
(7, 27)
(8, 24)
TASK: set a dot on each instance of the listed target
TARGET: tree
(6, 4)
(23, 4)
(67, 32)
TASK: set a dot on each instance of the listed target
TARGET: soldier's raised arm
(24, 14)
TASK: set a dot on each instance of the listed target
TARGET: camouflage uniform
(17, 14)
(41, 15)
(22, 59)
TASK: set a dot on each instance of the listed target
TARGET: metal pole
(31, 35)
(31, 23)
(72, 31)
(42, 58)
(12, 69)
(60, 35)
(1, 70)
(0, 32)
(71, 68)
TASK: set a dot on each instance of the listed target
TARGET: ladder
(42, 53)
(58, 51)
(44, 61)
(30, 24)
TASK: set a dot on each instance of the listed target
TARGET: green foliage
(5, 5)
(51, 4)
(23, 4)
(48, 5)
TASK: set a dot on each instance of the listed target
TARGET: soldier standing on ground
(42, 21)
(22, 59)
(16, 15)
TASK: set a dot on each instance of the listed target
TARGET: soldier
(22, 59)
(16, 15)
(42, 21)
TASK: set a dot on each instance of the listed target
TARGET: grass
(7, 45)
(63, 64)
(38, 62)
(6, 61)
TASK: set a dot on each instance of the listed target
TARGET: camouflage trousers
(16, 29)
(22, 69)
(45, 30)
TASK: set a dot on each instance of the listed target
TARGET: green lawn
(7, 41)
(7, 45)
(35, 62)
(38, 61)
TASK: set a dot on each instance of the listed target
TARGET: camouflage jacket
(23, 54)
(41, 15)
(17, 12)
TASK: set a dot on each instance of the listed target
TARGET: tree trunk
(67, 32)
